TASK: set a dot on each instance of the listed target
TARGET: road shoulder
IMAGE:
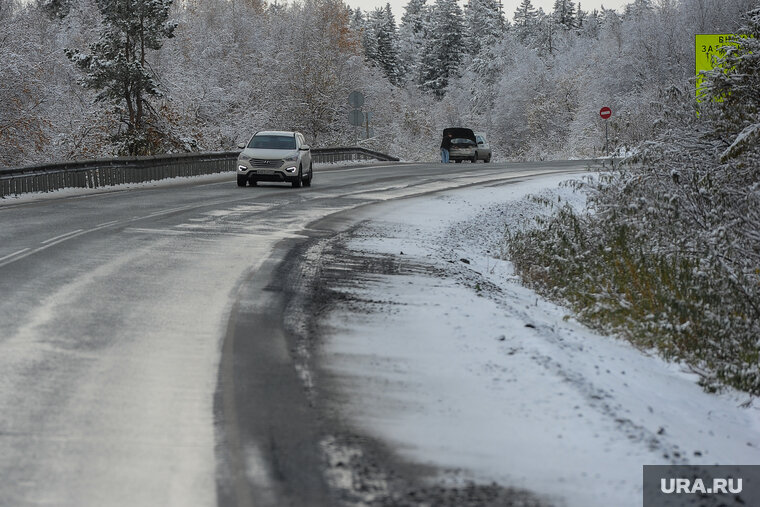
(427, 346)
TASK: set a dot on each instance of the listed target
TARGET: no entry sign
(605, 112)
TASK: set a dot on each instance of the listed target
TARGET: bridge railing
(114, 171)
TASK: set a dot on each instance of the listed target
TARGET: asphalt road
(149, 336)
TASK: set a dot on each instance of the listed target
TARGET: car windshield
(273, 142)
(462, 141)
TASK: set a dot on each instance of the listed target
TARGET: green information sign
(708, 48)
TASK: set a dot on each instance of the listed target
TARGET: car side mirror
(480, 143)
(241, 146)
(305, 147)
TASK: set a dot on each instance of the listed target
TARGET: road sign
(356, 99)
(605, 113)
(356, 117)
(708, 48)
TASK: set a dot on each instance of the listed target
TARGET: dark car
(463, 144)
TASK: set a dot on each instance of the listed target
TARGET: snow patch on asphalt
(474, 372)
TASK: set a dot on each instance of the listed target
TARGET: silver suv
(275, 156)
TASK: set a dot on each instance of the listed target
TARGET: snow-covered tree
(117, 65)
(357, 20)
(22, 118)
(564, 13)
(412, 34)
(590, 25)
(55, 8)
(5, 9)
(484, 24)
(638, 8)
(544, 39)
(444, 47)
(481, 68)
(735, 87)
(580, 17)
(525, 14)
(369, 34)
(381, 42)
(525, 20)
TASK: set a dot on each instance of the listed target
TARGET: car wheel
(474, 158)
(297, 182)
(488, 160)
(242, 180)
(307, 181)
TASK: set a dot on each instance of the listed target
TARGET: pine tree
(444, 47)
(387, 44)
(526, 19)
(356, 20)
(544, 40)
(484, 20)
(591, 24)
(525, 14)
(580, 17)
(564, 13)
(412, 35)
(369, 35)
(117, 65)
(637, 9)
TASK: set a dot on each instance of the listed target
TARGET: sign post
(356, 117)
(606, 113)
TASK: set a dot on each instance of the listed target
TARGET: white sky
(397, 6)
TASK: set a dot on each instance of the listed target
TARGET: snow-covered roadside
(474, 373)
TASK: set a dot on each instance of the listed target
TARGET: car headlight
(291, 158)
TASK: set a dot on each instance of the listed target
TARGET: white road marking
(166, 232)
(362, 168)
(61, 236)
(11, 255)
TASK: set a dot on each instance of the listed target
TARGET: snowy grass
(617, 281)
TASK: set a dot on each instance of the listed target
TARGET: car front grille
(265, 164)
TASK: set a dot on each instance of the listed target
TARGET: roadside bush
(667, 254)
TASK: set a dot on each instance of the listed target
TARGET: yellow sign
(709, 47)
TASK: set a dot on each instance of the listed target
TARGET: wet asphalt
(272, 419)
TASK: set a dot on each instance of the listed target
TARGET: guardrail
(344, 153)
(108, 172)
